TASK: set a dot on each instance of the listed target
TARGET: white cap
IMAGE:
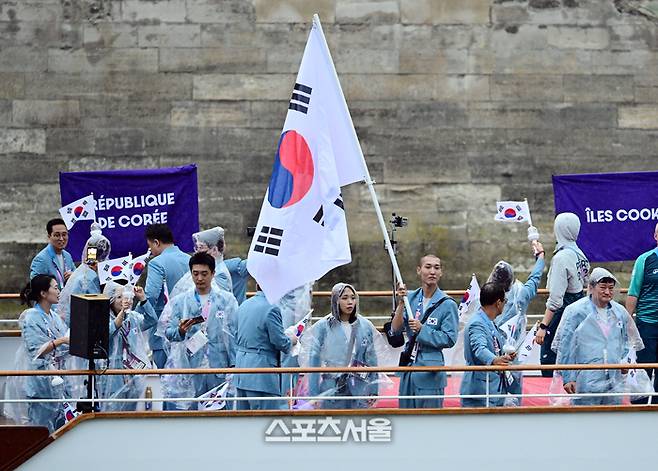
(600, 273)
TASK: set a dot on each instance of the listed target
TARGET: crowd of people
(191, 311)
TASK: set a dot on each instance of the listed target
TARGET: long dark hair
(32, 291)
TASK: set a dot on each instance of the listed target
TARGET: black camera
(399, 221)
(251, 230)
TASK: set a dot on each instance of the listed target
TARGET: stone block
(359, 61)
(524, 39)
(629, 37)
(568, 37)
(509, 14)
(123, 114)
(170, 35)
(25, 11)
(69, 141)
(125, 161)
(294, 11)
(268, 114)
(550, 61)
(154, 11)
(598, 88)
(56, 113)
(395, 115)
(12, 85)
(22, 59)
(5, 113)
(623, 62)
(221, 59)
(427, 60)
(210, 115)
(445, 11)
(99, 61)
(225, 12)
(638, 117)
(28, 141)
(103, 35)
(17, 169)
(243, 87)
(118, 142)
(364, 11)
(512, 87)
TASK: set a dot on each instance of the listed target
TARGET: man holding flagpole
(433, 327)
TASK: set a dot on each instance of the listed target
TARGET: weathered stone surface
(99, 60)
(445, 12)
(220, 59)
(31, 141)
(294, 11)
(638, 117)
(526, 87)
(243, 87)
(5, 113)
(364, 11)
(225, 12)
(12, 85)
(154, 11)
(598, 88)
(58, 113)
(121, 113)
(170, 36)
(111, 35)
(210, 115)
(569, 37)
(23, 59)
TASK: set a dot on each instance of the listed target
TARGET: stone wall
(457, 103)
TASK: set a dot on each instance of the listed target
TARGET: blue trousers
(258, 404)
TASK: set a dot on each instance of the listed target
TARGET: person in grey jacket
(567, 277)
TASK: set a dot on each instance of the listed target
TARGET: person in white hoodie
(567, 277)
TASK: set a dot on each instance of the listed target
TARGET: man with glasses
(53, 259)
(433, 326)
(596, 329)
(483, 345)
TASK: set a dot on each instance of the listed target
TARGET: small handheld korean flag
(513, 211)
(302, 232)
(79, 210)
(114, 269)
(136, 267)
(471, 298)
(298, 330)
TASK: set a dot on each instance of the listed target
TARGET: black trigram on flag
(301, 97)
(319, 216)
(269, 240)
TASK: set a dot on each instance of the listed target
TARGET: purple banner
(129, 200)
(618, 212)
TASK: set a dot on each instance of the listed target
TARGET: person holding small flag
(567, 278)
(201, 332)
(54, 259)
(128, 344)
(433, 327)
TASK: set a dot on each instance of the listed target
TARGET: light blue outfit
(39, 329)
(438, 332)
(581, 339)
(128, 350)
(294, 306)
(239, 277)
(518, 299)
(222, 275)
(168, 267)
(260, 341)
(218, 352)
(46, 263)
(483, 342)
(84, 280)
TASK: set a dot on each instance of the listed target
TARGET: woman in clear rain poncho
(596, 329)
(84, 279)
(295, 306)
(343, 338)
(201, 333)
(513, 320)
(128, 344)
(44, 347)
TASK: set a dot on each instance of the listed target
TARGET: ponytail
(31, 293)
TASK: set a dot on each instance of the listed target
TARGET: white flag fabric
(114, 269)
(528, 352)
(302, 232)
(512, 211)
(510, 326)
(472, 294)
(136, 267)
(79, 210)
(215, 398)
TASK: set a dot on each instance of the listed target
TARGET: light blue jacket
(438, 332)
(583, 342)
(479, 349)
(167, 267)
(222, 276)
(239, 276)
(519, 299)
(260, 339)
(45, 263)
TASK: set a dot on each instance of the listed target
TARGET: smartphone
(92, 256)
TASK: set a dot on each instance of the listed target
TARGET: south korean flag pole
(367, 179)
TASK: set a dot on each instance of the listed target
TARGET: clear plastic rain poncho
(128, 350)
(207, 344)
(331, 342)
(84, 279)
(38, 330)
(210, 241)
(587, 337)
(294, 306)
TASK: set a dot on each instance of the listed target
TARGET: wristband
(543, 326)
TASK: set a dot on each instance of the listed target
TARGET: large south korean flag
(302, 231)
